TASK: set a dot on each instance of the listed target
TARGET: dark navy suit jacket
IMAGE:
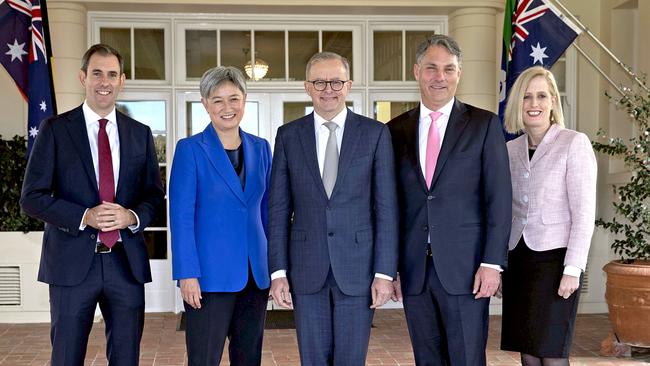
(355, 231)
(60, 185)
(468, 210)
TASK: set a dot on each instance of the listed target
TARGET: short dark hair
(438, 40)
(103, 50)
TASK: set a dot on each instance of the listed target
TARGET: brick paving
(28, 344)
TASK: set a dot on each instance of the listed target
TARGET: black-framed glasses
(320, 85)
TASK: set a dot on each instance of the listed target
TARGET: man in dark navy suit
(332, 220)
(453, 184)
(93, 178)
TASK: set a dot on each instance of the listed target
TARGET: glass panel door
(153, 109)
(385, 106)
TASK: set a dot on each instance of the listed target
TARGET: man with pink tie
(454, 193)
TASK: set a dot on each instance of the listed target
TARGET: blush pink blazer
(554, 193)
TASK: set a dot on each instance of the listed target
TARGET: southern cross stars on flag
(24, 53)
(534, 33)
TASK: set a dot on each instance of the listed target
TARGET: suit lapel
(455, 127)
(546, 144)
(410, 129)
(126, 141)
(251, 164)
(351, 136)
(216, 154)
(521, 150)
(76, 126)
(308, 141)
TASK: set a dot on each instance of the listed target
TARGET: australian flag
(25, 53)
(534, 33)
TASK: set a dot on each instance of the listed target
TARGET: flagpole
(595, 65)
(628, 71)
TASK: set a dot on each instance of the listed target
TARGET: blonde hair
(514, 120)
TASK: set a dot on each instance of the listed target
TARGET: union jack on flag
(534, 33)
(25, 53)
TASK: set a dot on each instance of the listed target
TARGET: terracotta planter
(628, 299)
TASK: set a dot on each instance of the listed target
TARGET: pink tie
(106, 179)
(433, 148)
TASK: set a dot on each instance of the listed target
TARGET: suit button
(525, 199)
(330, 234)
(92, 236)
(425, 228)
(328, 207)
(524, 221)
(430, 197)
(526, 174)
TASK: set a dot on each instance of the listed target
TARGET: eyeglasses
(320, 85)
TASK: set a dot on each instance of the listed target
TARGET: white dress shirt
(92, 128)
(322, 135)
(423, 137)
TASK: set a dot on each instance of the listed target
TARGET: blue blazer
(60, 184)
(217, 228)
(355, 230)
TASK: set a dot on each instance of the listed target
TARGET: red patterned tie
(106, 179)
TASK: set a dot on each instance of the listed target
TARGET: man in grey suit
(332, 220)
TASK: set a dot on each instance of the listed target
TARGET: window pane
(269, 48)
(302, 45)
(156, 242)
(149, 52)
(198, 118)
(120, 39)
(200, 52)
(295, 110)
(235, 48)
(341, 43)
(413, 39)
(152, 114)
(384, 111)
(387, 55)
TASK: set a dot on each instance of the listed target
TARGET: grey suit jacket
(355, 231)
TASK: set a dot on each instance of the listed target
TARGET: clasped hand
(109, 216)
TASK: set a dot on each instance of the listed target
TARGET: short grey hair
(216, 76)
(323, 56)
(438, 40)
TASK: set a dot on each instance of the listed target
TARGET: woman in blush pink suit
(553, 173)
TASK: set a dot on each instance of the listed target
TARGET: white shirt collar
(339, 119)
(445, 110)
(91, 117)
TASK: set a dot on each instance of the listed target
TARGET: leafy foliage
(632, 223)
(12, 170)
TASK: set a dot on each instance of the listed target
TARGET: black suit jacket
(467, 211)
(355, 230)
(60, 185)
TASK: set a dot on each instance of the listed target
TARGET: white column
(68, 34)
(474, 30)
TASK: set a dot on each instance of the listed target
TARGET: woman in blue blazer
(218, 215)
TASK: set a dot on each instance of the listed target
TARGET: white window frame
(99, 22)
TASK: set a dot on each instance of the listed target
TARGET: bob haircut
(514, 119)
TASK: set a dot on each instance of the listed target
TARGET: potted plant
(628, 279)
(12, 169)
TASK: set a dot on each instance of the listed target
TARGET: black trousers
(121, 300)
(238, 316)
(445, 329)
